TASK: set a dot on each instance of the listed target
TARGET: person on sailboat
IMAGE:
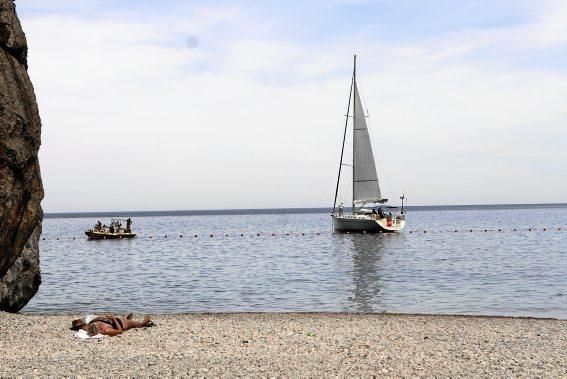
(374, 214)
(341, 209)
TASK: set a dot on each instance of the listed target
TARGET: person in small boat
(110, 325)
(98, 226)
(128, 223)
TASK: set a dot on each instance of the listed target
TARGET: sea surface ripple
(439, 271)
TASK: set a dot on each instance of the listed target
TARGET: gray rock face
(22, 280)
(21, 189)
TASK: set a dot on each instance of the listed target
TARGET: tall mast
(353, 126)
(343, 147)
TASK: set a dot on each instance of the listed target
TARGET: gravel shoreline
(290, 344)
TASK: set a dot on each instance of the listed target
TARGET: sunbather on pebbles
(109, 325)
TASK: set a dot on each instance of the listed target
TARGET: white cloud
(133, 119)
(551, 28)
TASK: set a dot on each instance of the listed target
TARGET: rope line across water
(306, 234)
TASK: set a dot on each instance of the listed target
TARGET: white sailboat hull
(366, 224)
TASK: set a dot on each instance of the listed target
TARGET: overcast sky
(240, 104)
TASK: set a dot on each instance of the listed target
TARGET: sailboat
(369, 210)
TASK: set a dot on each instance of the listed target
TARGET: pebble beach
(289, 344)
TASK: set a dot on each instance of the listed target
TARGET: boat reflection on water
(368, 276)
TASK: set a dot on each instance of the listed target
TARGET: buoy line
(307, 234)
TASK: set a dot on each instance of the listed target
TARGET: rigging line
(342, 195)
(363, 99)
(386, 179)
(370, 132)
(344, 191)
(370, 128)
(343, 147)
(354, 92)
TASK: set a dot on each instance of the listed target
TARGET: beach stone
(21, 188)
(347, 345)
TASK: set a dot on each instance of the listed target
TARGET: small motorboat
(114, 231)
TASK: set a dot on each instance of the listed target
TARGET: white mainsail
(365, 180)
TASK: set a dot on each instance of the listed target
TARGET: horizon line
(219, 211)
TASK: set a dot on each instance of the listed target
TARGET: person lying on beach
(110, 325)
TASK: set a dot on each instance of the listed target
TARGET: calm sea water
(520, 273)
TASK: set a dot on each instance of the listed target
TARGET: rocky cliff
(21, 190)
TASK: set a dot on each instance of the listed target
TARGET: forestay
(365, 187)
